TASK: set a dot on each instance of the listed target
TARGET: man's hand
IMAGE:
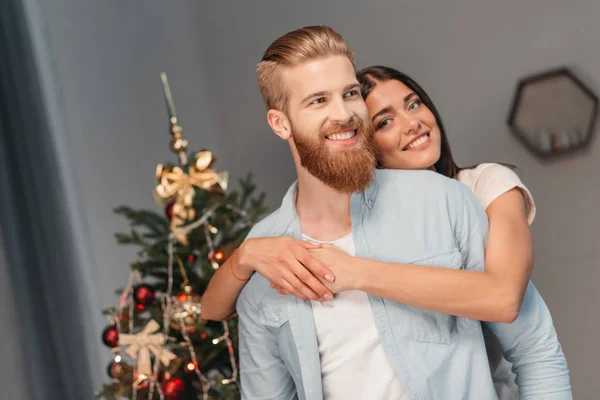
(288, 264)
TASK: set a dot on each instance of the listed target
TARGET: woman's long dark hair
(368, 78)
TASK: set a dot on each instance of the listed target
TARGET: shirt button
(277, 317)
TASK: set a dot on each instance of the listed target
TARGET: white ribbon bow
(144, 342)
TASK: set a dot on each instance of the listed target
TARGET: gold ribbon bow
(175, 185)
(143, 343)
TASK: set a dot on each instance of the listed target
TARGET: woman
(409, 135)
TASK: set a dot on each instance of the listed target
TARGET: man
(363, 347)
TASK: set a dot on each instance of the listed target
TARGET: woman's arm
(493, 295)
(219, 298)
(284, 261)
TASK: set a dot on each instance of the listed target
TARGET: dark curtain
(39, 239)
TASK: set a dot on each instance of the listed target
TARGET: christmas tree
(161, 348)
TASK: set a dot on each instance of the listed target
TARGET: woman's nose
(412, 125)
(415, 125)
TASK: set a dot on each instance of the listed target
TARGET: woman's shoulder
(486, 171)
(491, 180)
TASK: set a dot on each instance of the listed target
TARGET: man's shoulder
(264, 227)
(419, 181)
(254, 290)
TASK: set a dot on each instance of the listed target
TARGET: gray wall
(106, 57)
(101, 64)
(468, 55)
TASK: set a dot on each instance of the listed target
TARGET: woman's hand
(338, 262)
(288, 264)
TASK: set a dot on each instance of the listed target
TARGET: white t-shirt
(488, 182)
(354, 365)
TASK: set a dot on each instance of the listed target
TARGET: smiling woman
(399, 107)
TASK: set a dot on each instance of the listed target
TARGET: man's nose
(340, 112)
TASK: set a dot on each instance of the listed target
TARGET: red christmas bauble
(169, 211)
(116, 370)
(192, 258)
(143, 294)
(173, 389)
(110, 336)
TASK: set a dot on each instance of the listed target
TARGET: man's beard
(346, 170)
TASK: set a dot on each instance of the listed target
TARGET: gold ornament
(187, 308)
(177, 186)
(145, 342)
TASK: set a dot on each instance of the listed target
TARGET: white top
(490, 181)
(353, 362)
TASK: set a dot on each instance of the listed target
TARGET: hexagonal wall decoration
(553, 113)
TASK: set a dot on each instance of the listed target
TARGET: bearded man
(361, 346)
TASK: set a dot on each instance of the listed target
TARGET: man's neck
(324, 213)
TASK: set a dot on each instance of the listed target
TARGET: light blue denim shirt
(416, 217)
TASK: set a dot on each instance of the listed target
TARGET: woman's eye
(414, 104)
(384, 123)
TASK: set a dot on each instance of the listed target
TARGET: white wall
(107, 56)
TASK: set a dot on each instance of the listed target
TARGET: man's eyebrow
(316, 94)
(352, 86)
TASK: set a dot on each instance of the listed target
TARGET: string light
(191, 366)
(182, 297)
(166, 301)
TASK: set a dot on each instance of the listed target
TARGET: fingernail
(327, 297)
(329, 277)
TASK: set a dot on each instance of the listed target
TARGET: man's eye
(318, 101)
(352, 93)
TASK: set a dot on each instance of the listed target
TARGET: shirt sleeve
(493, 180)
(263, 372)
(531, 344)
(472, 231)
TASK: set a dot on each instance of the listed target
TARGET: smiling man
(360, 346)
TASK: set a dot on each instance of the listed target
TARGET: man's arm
(264, 375)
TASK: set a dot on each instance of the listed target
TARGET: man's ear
(280, 123)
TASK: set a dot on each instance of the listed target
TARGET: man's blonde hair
(293, 48)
